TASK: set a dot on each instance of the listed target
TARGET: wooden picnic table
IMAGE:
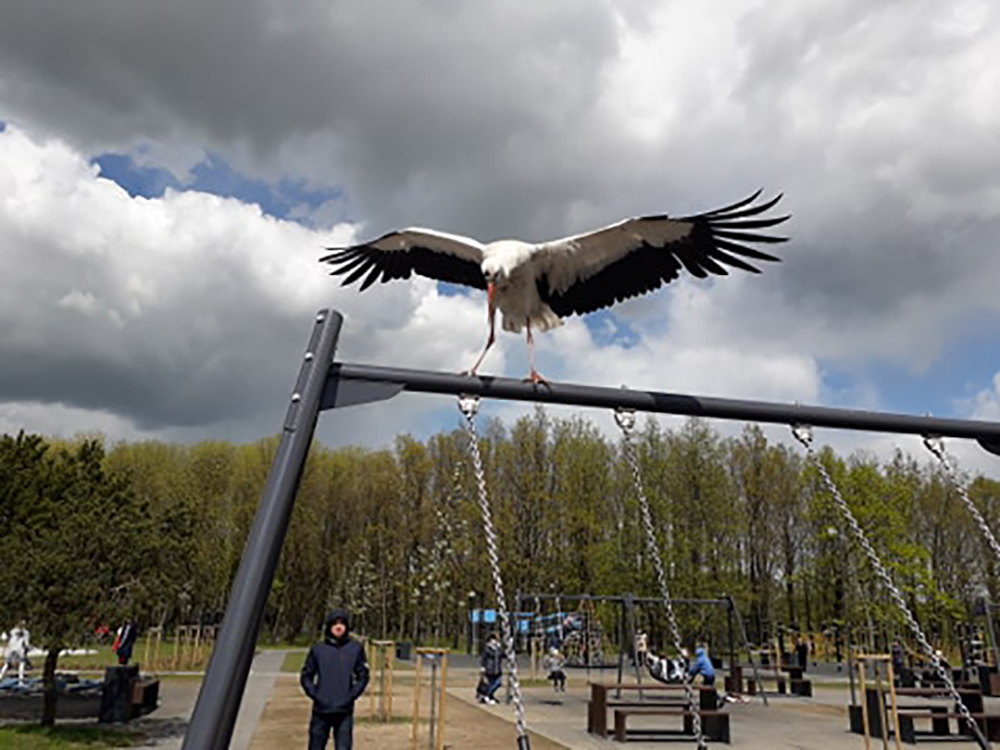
(972, 698)
(597, 715)
(789, 679)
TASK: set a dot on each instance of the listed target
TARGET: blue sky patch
(287, 199)
(608, 329)
(136, 180)
(965, 367)
(453, 290)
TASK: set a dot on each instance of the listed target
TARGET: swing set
(323, 384)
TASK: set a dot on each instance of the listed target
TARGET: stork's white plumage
(535, 285)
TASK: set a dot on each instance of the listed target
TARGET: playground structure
(381, 656)
(436, 659)
(322, 385)
(628, 631)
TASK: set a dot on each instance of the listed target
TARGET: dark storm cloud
(407, 103)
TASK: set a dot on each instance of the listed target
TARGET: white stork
(535, 285)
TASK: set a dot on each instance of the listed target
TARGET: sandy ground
(285, 722)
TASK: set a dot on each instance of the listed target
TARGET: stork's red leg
(490, 339)
(533, 375)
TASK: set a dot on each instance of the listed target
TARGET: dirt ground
(285, 722)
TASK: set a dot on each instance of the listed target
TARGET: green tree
(77, 551)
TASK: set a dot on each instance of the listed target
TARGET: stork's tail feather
(542, 321)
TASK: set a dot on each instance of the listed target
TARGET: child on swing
(554, 663)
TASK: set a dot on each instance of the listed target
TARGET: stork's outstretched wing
(397, 255)
(589, 271)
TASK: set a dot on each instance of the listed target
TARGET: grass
(105, 657)
(36, 737)
(294, 661)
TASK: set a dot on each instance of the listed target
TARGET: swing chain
(625, 418)
(936, 446)
(469, 406)
(803, 433)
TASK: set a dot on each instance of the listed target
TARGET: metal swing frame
(323, 384)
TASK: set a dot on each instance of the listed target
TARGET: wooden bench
(145, 696)
(654, 695)
(714, 724)
(795, 680)
(939, 716)
(800, 687)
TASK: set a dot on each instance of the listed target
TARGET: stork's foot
(535, 377)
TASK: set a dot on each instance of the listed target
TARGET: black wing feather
(401, 264)
(717, 239)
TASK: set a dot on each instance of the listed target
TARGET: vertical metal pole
(516, 624)
(470, 601)
(219, 700)
(732, 643)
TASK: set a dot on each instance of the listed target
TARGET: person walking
(334, 677)
(491, 666)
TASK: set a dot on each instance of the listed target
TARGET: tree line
(155, 530)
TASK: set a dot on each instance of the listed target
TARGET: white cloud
(175, 313)
(520, 119)
(986, 404)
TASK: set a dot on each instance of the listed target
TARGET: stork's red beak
(491, 293)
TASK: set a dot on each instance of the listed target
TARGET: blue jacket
(336, 671)
(702, 665)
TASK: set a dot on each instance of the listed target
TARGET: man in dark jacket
(334, 676)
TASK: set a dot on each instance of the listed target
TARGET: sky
(171, 172)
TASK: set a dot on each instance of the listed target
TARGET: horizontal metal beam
(526, 598)
(352, 384)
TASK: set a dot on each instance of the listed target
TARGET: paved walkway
(177, 698)
(787, 723)
(265, 668)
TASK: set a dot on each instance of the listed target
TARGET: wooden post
(370, 654)
(381, 656)
(156, 649)
(196, 653)
(416, 703)
(860, 662)
(881, 704)
(391, 667)
(440, 690)
(186, 648)
(177, 648)
(892, 697)
(444, 695)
